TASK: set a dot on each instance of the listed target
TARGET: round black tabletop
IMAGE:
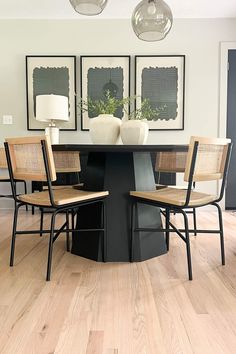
(119, 148)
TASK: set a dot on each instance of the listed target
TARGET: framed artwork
(99, 74)
(161, 79)
(52, 74)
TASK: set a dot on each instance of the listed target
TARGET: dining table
(118, 169)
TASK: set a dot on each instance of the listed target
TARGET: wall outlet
(7, 119)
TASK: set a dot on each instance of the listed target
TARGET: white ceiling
(61, 9)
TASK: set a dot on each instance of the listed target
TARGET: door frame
(223, 91)
(224, 48)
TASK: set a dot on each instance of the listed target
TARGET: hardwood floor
(139, 308)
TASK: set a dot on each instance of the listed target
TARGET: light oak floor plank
(118, 308)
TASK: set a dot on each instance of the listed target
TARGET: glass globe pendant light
(152, 20)
(89, 7)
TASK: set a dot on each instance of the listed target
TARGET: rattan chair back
(3, 160)
(210, 160)
(171, 161)
(27, 160)
(67, 161)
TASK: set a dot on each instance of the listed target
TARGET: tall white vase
(134, 132)
(104, 129)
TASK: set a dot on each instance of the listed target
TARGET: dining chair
(207, 160)
(31, 158)
(173, 162)
(66, 162)
(5, 178)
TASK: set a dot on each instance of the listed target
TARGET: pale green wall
(199, 40)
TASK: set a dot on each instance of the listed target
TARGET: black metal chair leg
(190, 275)
(104, 226)
(72, 219)
(194, 221)
(41, 221)
(222, 246)
(25, 188)
(167, 227)
(132, 231)
(67, 231)
(17, 206)
(50, 246)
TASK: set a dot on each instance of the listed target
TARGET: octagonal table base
(119, 173)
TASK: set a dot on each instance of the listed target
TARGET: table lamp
(50, 108)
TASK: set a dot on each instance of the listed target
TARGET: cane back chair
(173, 162)
(207, 160)
(31, 158)
(66, 162)
(5, 178)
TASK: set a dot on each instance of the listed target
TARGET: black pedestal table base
(119, 173)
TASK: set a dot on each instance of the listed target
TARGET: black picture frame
(94, 76)
(161, 79)
(62, 82)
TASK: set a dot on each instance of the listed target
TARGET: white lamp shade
(52, 107)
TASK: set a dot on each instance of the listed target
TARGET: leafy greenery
(146, 111)
(108, 105)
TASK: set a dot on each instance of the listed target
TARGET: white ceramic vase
(104, 129)
(134, 132)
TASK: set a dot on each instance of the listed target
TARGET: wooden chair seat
(76, 186)
(61, 197)
(4, 178)
(175, 196)
(161, 186)
(45, 188)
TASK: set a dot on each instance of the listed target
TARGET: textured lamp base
(53, 132)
